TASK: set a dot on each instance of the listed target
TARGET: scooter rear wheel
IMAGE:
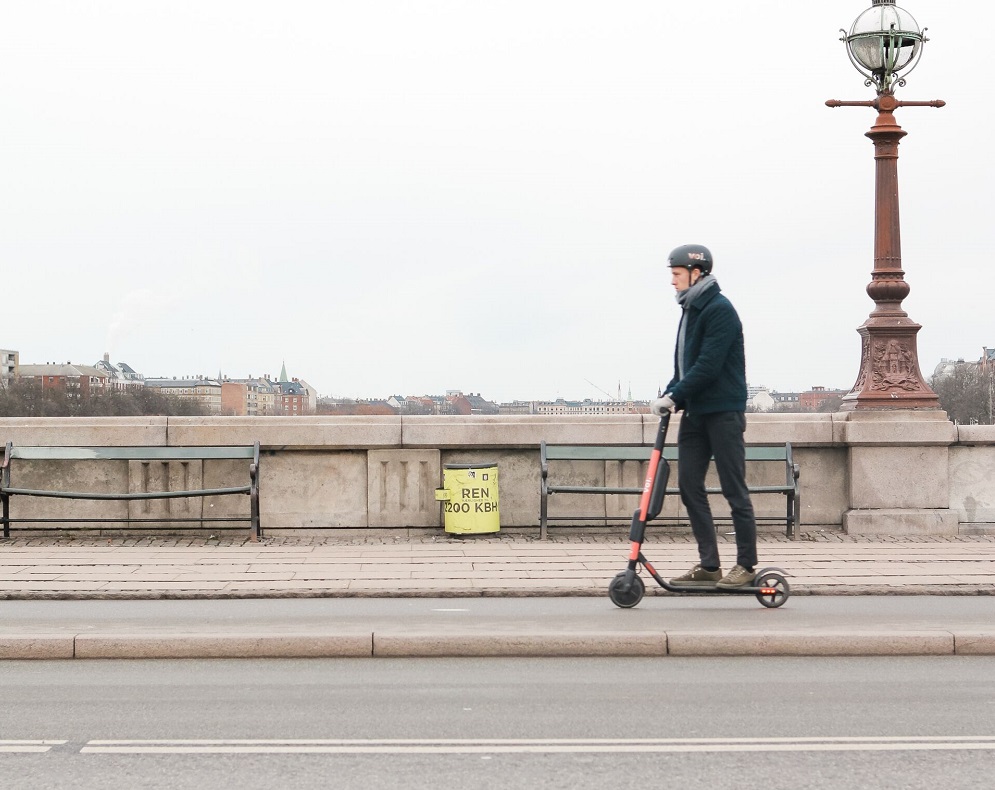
(626, 598)
(776, 584)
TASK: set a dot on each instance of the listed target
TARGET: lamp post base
(889, 375)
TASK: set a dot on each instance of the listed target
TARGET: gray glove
(661, 405)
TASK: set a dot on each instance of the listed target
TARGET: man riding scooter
(709, 386)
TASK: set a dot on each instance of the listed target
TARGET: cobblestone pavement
(348, 537)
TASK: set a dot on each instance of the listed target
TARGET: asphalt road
(817, 723)
(715, 611)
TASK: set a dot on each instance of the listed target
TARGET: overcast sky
(405, 197)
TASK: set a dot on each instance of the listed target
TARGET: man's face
(682, 279)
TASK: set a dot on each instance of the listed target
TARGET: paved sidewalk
(504, 564)
(505, 594)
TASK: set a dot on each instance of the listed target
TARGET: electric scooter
(627, 588)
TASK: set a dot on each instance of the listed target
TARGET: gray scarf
(685, 299)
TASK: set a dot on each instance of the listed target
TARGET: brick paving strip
(571, 563)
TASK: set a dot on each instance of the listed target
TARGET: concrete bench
(142, 454)
(548, 453)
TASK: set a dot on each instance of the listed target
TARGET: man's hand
(661, 405)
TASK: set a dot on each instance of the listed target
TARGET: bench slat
(595, 453)
(670, 491)
(564, 452)
(130, 453)
(130, 495)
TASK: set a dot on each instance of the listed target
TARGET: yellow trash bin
(469, 495)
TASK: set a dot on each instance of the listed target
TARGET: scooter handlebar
(661, 431)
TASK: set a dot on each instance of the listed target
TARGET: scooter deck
(712, 588)
(750, 589)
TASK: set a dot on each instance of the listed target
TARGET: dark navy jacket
(714, 358)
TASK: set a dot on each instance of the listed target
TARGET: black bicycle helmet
(689, 256)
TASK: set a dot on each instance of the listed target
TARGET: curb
(400, 644)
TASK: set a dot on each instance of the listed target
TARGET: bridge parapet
(899, 472)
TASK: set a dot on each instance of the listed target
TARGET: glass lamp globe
(884, 39)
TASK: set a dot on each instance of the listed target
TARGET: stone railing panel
(899, 477)
(313, 490)
(287, 433)
(824, 485)
(84, 431)
(799, 429)
(972, 482)
(147, 476)
(402, 487)
(976, 434)
(520, 431)
(91, 476)
(224, 474)
(897, 428)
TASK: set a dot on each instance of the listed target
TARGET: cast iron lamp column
(884, 40)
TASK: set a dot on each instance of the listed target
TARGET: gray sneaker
(698, 577)
(737, 577)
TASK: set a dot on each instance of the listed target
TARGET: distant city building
(351, 406)
(75, 379)
(516, 407)
(234, 398)
(295, 398)
(816, 397)
(397, 402)
(310, 396)
(120, 375)
(9, 363)
(759, 399)
(946, 367)
(472, 404)
(198, 389)
(785, 400)
(261, 395)
(588, 406)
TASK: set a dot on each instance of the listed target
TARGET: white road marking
(24, 747)
(541, 746)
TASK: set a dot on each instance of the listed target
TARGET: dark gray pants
(700, 437)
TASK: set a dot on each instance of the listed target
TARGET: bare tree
(831, 404)
(27, 398)
(966, 393)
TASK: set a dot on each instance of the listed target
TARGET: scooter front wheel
(774, 588)
(623, 595)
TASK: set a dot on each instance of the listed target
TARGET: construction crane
(610, 396)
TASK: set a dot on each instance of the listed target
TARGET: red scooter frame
(627, 588)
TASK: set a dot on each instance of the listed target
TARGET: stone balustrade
(885, 472)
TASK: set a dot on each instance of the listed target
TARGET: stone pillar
(898, 470)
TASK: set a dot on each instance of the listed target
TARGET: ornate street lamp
(884, 41)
